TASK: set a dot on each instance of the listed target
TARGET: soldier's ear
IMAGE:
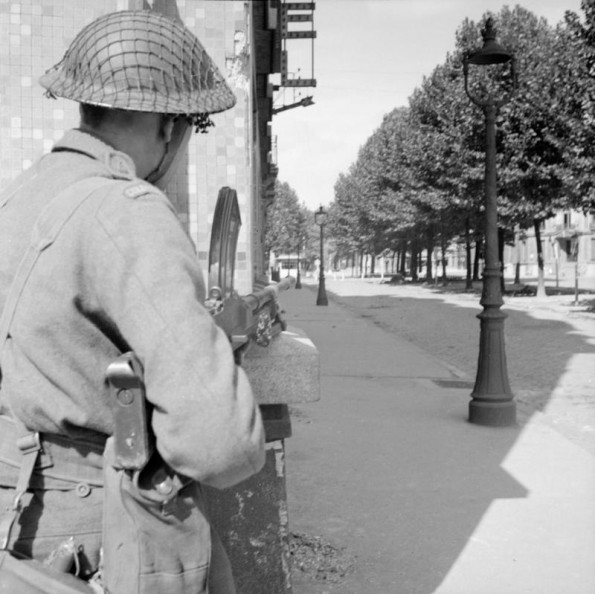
(167, 127)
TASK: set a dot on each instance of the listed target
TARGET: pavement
(397, 493)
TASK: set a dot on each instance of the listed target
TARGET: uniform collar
(119, 164)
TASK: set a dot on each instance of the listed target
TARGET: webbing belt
(61, 463)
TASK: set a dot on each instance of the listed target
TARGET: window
(570, 246)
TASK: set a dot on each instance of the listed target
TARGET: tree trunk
(403, 261)
(517, 266)
(477, 259)
(414, 252)
(468, 279)
(443, 254)
(430, 250)
(540, 274)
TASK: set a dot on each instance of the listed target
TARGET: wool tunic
(122, 275)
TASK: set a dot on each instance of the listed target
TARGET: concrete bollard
(251, 518)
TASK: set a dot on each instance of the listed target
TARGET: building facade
(568, 243)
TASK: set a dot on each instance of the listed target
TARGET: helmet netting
(142, 61)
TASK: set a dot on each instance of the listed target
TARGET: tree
(444, 165)
(286, 225)
(344, 214)
(574, 57)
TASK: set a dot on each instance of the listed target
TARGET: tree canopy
(421, 173)
(289, 223)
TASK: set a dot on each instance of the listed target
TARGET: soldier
(119, 275)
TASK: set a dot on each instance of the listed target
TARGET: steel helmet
(140, 61)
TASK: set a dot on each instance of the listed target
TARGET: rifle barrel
(270, 293)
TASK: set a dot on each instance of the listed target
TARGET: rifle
(252, 318)
(255, 317)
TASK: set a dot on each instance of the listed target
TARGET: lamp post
(320, 218)
(492, 402)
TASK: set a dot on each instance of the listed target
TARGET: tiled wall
(219, 158)
(34, 35)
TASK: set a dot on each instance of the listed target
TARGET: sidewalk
(386, 469)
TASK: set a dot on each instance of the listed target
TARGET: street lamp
(320, 218)
(492, 402)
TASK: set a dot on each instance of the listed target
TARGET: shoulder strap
(50, 222)
(48, 226)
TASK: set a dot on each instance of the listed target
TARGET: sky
(369, 57)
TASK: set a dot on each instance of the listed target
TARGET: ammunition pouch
(155, 534)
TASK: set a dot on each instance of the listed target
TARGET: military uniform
(122, 275)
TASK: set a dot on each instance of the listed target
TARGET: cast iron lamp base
(492, 401)
(492, 414)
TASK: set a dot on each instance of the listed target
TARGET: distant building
(568, 243)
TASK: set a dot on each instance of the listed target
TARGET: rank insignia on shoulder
(137, 190)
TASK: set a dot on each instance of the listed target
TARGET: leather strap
(45, 231)
(30, 446)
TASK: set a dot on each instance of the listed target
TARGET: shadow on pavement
(385, 466)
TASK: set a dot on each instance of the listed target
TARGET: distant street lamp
(492, 400)
(320, 218)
